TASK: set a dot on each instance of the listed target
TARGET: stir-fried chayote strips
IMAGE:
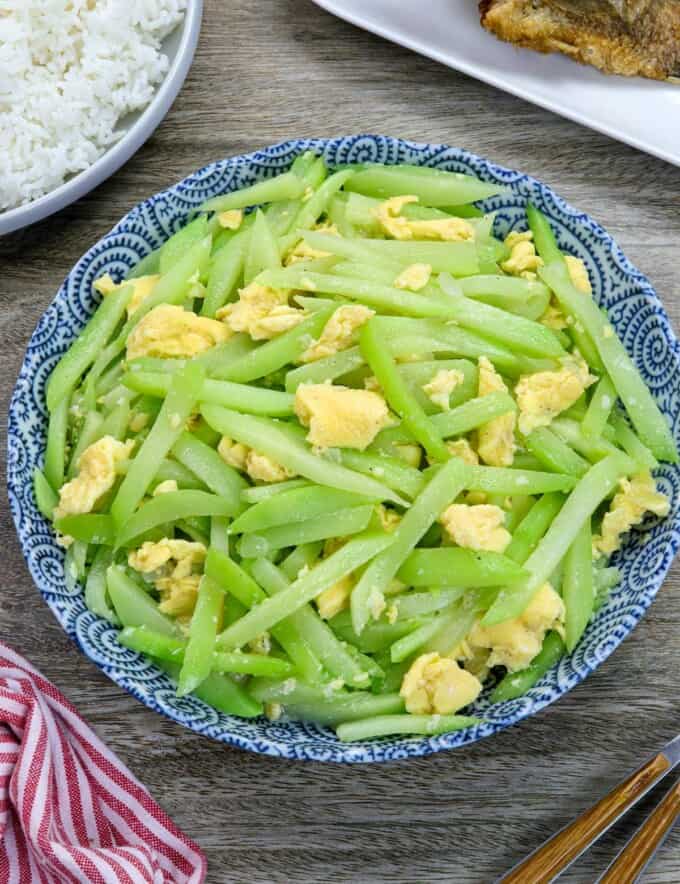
(336, 451)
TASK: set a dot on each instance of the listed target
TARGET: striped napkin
(69, 810)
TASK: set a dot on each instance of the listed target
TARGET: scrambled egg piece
(410, 453)
(636, 497)
(495, 439)
(138, 421)
(448, 229)
(414, 277)
(173, 565)
(339, 333)
(439, 389)
(142, 287)
(437, 685)
(545, 394)
(515, 643)
(476, 527)
(389, 519)
(523, 260)
(258, 466)
(303, 250)
(231, 219)
(168, 331)
(166, 487)
(336, 598)
(96, 475)
(340, 417)
(261, 311)
(461, 448)
(578, 273)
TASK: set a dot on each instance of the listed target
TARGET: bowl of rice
(83, 84)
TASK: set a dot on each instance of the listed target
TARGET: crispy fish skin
(627, 37)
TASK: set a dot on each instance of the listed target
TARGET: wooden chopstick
(639, 850)
(558, 852)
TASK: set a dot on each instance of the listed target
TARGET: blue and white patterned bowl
(633, 307)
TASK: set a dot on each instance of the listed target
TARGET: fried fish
(627, 37)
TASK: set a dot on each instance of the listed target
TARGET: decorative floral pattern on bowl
(635, 312)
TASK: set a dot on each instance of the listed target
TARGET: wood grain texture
(630, 863)
(559, 851)
(266, 70)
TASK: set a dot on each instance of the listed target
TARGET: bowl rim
(376, 750)
(120, 152)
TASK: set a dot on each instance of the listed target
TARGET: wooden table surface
(267, 70)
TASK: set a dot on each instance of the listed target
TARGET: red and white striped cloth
(69, 810)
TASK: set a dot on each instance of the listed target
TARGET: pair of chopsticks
(554, 855)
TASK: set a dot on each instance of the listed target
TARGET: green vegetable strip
(317, 704)
(630, 443)
(327, 369)
(515, 684)
(427, 507)
(55, 451)
(592, 449)
(348, 558)
(411, 643)
(356, 250)
(598, 482)
(298, 505)
(268, 437)
(420, 604)
(433, 187)
(387, 725)
(263, 250)
(456, 258)
(95, 586)
(220, 692)
(283, 187)
(171, 469)
(333, 653)
(533, 526)
(464, 567)
(258, 493)
(167, 428)
(498, 480)
(88, 527)
(398, 395)
(170, 289)
(389, 471)
(90, 432)
(273, 355)
(340, 523)
(554, 454)
(134, 606)
(202, 634)
(515, 332)
(205, 462)
(169, 507)
(313, 208)
(46, 497)
(241, 397)
(303, 556)
(473, 414)
(599, 409)
(225, 273)
(173, 249)
(522, 296)
(380, 297)
(241, 586)
(87, 346)
(649, 422)
(577, 586)
(449, 338)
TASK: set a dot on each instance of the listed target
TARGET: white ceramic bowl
(179, 46)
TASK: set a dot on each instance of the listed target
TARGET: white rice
(69, 71)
